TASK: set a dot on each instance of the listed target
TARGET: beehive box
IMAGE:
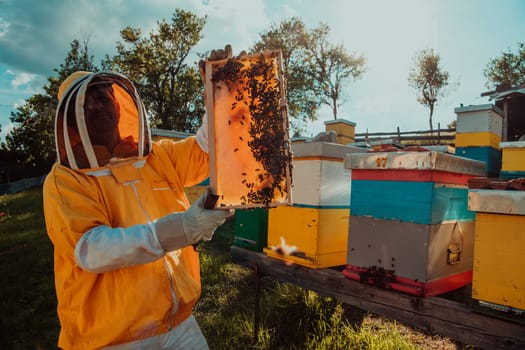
(317, 222)
(489, 155)
(344, 129)
(251, 228)
(383, 144)
(418, 187)
(410, 228)
(479, 118)
(477, 139)
(512, 159)
(412, 258)
(320, 178)
(499, 264)
(249, 149)
(319, 234)
(478, 134)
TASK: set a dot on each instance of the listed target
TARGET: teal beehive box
(251, 228)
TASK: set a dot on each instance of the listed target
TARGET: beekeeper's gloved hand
(215, 55)
(179, 230)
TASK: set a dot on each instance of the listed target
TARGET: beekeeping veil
(78, 134)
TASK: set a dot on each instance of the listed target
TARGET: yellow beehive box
(499, 243)
(513, 156)
(344, 129)
(477, 139)
(320, 235)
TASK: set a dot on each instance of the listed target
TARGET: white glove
(179, 230)
(202, 134)
(215, 55)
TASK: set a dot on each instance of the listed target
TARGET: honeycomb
(249, 147)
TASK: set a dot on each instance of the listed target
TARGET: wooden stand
(435, 315)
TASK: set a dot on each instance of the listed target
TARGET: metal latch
(453, 254)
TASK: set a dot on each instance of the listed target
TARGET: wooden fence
(408, 138)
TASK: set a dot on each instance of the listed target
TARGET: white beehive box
(320, 178)
(479, 118)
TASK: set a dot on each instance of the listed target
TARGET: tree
(32, 138)
(507, 70)
(429, 80)
(316, 71)
(171, 90)
(290, 37)
(331, 67)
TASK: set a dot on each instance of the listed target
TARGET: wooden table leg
(257, 311)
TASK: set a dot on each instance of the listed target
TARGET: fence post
(398, 135)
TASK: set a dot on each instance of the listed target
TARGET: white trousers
(186, 336)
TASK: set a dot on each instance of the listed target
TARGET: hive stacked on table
(499, 266)
(479, 133)
(317, 222)
(513, 159)
(251, 228)
(410, 229)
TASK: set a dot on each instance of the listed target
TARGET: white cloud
(22, 79)
(236, 22)
(35, 38)
(4, 26)
(5, 130)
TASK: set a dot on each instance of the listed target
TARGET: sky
(35, 37)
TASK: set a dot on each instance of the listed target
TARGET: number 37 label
(381, 162)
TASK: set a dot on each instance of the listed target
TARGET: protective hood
(100, 118)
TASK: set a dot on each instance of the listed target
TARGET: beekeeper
(126, 274)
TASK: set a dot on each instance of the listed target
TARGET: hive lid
(497, 201)
(415, 161)
(512, 144)
(477, 108)
(323, 149)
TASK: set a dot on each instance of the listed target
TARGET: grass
(27, 295)
(290, 318)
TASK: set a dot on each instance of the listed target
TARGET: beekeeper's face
(102, 115)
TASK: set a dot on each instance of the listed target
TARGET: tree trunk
(430, 120)
(334, 107)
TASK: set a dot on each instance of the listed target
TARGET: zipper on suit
(169, 269)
